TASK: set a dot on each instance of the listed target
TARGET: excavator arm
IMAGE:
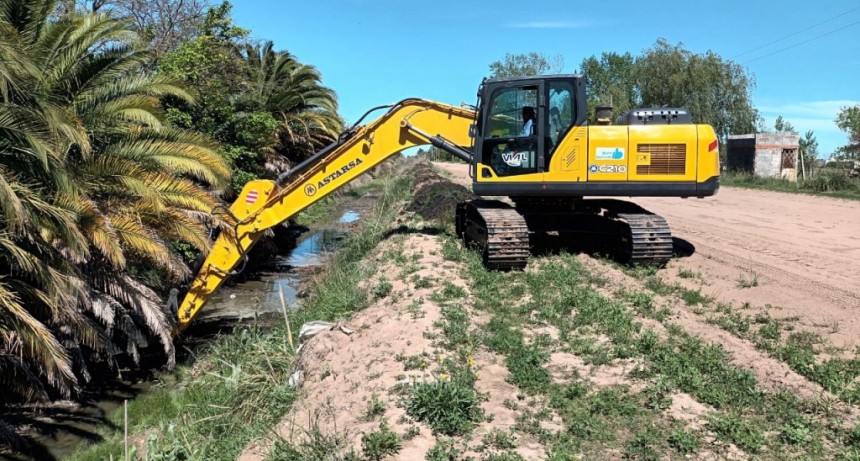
(263, 204)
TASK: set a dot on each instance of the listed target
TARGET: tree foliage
(809, 150)
(526, 64)
(110, 167)
(715, 90)
(268, 110)
(849, 122)
(95, 188)
(782, 125)
(611, 81)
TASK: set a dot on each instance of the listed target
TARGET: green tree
(611, 81)
(211, 66)
(292, 93)
(715, 90)
(809, 150)
(526, 64)
(849, 122)
(782, 125)
(95, 188)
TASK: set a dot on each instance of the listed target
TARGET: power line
(794, 34)
(803, 42)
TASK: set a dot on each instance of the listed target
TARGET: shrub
(448, 407)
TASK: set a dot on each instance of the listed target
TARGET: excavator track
(648, 238)
(498, 230)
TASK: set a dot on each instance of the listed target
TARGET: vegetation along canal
(59, 429)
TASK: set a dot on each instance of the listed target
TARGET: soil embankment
(574, 357)
(800, 252)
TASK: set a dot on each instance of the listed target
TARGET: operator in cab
(528, 121)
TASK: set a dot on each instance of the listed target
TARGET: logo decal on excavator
(607, 168)
(515, 158)
(311, 190)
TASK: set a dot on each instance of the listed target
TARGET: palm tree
(37, 283)
(94, 188)
(293, 93)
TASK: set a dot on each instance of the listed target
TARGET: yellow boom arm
(264, 204)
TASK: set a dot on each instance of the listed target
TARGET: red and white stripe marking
(251, 198)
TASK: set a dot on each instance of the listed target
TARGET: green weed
(382, 289)
(732, 428)
(684, 442)
(499, 440)
(375, 408)
(448, 407)
(748, 280)
(444, 450)
(315, 446)
(413, 362)
(693, 297)
(685, 273)
(380, 443)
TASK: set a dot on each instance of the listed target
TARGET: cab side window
(506, 111)
(509, 140)
(560, 111)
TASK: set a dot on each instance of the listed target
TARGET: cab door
(504, 146)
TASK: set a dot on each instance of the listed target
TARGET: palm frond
(37, 342)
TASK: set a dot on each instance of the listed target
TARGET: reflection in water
(311, 249)
(348, 217)
(249, 298)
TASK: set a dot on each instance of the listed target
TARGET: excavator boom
(263, 204)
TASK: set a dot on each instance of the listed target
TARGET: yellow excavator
(527, 139)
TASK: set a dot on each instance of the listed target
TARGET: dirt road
(801, 252)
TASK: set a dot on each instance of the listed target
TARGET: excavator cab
(503, 149)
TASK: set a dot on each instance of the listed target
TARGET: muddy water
(277, 278)
(65, 428)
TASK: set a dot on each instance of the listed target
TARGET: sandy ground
(800, 249)
(343, 373)
(804, 252)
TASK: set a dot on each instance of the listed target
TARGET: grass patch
(449, 407)
(319, 212)
(734, 429)
(445, 449)
(558, 291)
(380, 443)
(799, 350)
(748, 280)
(685, 273)
(375, 408)
(831, 183)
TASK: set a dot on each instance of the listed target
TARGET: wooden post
(125, 424)
(802, 165)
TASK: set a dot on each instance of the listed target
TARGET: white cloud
(827, 109)
(548, 25)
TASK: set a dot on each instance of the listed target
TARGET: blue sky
(374, 52)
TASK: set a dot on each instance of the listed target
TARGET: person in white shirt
(528, 121)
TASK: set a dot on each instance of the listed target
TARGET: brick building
(770, 155)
